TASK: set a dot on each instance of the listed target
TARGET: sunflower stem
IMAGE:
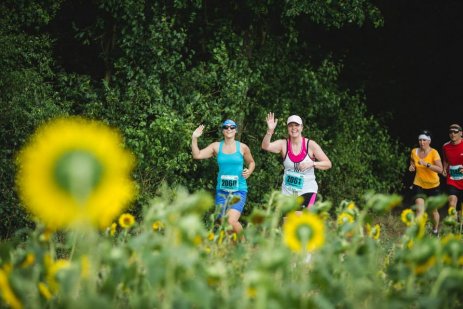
(461, 223)
(52, 249)
(73, 248)
(438, 283)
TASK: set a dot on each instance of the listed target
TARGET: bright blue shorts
(223, 198)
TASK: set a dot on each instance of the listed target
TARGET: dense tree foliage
(156, 70)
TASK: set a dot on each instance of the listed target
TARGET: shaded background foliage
(156, 70)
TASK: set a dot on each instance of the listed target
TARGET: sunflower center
(304, 234)
(409, 217)
(78, 173)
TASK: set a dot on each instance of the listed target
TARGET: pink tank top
(299, 157)
(291, 164)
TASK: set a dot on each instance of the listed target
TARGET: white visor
(424, 136)
(294, 118)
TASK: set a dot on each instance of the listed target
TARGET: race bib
(294, 181)
(229, 183)
(454, 172)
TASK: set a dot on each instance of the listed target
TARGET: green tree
(27, 95)
(156, 70)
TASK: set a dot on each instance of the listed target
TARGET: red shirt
(453, 155)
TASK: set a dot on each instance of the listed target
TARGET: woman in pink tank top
(301, 157)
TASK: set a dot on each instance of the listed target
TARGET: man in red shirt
(453, 165)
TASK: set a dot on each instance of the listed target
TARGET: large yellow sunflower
(421, 224)
(424, 266)
(452, 211)
(452, 250)
(303, 232)
(126, 220)
(75, 171)
(344, 218)
(373, 232)
(7, 292)
(53, 268)
(408, 217)
(376, 232)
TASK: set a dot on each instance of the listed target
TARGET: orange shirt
(425, 177)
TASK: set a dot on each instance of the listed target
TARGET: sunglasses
(228, 127)
(454, 131)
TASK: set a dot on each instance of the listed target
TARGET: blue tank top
(230, 176)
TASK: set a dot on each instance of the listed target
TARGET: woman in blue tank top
(231, 180)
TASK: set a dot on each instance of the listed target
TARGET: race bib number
(229, 182)
(294, 181)
(455, 172)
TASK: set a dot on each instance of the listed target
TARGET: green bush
(26, 100)
(170, 67)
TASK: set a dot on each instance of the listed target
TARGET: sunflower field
(91, 252)
(170, 259)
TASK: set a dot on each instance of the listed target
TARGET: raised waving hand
(271, 121)
(199, 131)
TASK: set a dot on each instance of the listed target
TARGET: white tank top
(295, 181)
